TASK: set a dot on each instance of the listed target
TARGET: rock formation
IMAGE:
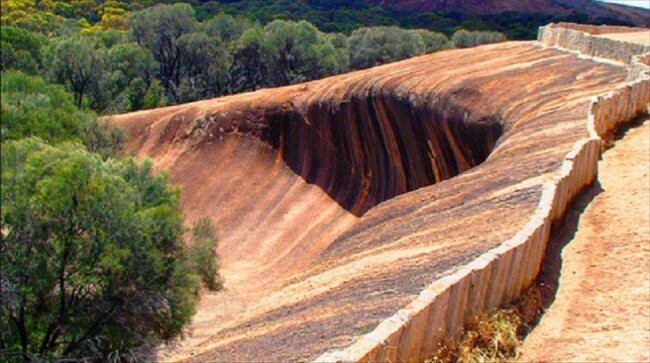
(339, 200)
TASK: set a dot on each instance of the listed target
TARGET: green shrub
(21, 50)
(464, 39)
(33, 107)
(377, 45)
(203, 255)
(93, 261)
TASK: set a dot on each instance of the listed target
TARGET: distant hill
(595, 11)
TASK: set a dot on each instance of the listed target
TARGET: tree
(131, 69)
(21, 50)
(132, 61)
(488, 37)
(331, 60)
(93, 259)
(109, 38)
(155, 96)
(32, 107)
(250, 61)
(205, 65)
(433, 41)
(463, 38)
(114, 15)
(225, 27)
(158, 29)
(341, 52)
(29, 15)
(75, 63)
(378, 45)
(294, 50)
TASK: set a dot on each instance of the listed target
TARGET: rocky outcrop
(376, 144)
(337, 207)
(498, 276)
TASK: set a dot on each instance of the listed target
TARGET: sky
(638, 3)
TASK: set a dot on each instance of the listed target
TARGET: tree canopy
(117, 56)
(373, 46)
(33, 107)
(96, 263)
(93, 259)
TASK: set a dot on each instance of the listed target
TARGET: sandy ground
(601, 310)
(635, 37)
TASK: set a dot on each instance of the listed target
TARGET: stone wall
(612, 109)
(640, 66)
(498, 276)
(575, 37)
(596, 29)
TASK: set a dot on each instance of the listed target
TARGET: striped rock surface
(337, 201)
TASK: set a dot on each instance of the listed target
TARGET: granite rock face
(338, 201)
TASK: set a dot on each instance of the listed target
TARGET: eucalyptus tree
(158, 28)
(205, 66)
(294, 50)
(33, 107)
(463, 38)
(250, 68)
(94, 266)
(433, 41)
(377, 45)
(76, 63)
(226, 27)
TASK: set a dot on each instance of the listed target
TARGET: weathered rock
(324, 195)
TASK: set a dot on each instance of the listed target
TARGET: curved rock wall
(498, 276)
(303, 275)
(378, 145)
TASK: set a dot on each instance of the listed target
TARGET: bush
(33, 107)
(488, 338)
(433, 41)
(494, 337)
(464, 39)
(377, 45)
(21, 50)
(203, 254)
(93, 259)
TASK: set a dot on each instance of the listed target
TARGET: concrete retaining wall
(498, 276)
(640, 66)
(612, 109)
(596, 29)
(576, 38)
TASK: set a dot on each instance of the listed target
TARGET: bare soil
(601, 310)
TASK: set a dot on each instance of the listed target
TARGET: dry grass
(496, 336)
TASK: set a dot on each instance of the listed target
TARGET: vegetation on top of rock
(116, 56)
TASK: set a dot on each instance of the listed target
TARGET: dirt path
(601, 310)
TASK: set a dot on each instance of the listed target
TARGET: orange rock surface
(333, 198)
